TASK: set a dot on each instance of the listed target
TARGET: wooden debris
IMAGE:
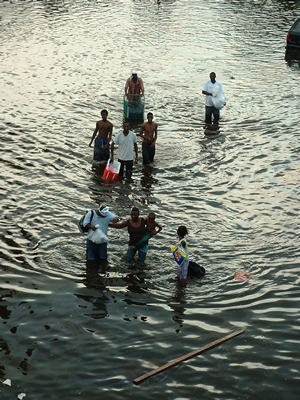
(194, 353)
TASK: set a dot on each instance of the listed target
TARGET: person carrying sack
(99, 220)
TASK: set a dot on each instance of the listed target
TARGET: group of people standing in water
(127, 142)
(140, 229)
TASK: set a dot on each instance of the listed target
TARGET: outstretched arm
(119, 225)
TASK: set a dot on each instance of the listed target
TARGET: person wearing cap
(134, 86)
(209, 107)
(102, 217)
(101, 145)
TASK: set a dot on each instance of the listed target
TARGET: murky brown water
(72, 333)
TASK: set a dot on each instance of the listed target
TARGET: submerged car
(293, 36)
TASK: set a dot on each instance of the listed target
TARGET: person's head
(134, 214)
(182, 231)
(104, 114)
(103, 210)
(125, 127)
(150, 117)
(213, 76)
(134, 76)
(151, 217)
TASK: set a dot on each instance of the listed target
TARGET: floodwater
(72, 332)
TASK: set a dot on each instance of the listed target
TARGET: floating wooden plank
(194, 353)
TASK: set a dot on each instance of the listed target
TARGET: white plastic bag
(218, 97)
(97, 236)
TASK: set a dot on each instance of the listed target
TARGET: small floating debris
(7, 382)
(21, 395)
(243, 276)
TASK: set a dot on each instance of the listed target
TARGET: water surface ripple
(71, 332)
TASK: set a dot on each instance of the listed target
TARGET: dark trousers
(148, 153)
(128, 165)
(209, 111)
(99, 153)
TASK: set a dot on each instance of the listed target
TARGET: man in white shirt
(127, 141)
(101, 217)
(209, 107)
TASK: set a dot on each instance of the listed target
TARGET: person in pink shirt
(134, 86)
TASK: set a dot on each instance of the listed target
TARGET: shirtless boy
(101, 146)
(149, 133)
(152, 224)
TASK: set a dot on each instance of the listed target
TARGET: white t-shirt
(208, 88)
(97, 220)
(126, 145)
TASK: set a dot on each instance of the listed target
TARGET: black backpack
(84, 229)
(196, 270)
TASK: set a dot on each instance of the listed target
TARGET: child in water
(152, 224)
(182, 269)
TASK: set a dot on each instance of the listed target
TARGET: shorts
(182, 269)
(99, 153)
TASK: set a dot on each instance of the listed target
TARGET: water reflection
(94, 281)
(97, 277)
(211, 128)
(178, 303)
(147, 183)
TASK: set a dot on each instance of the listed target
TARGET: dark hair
(104, 112)
(149, 113)
(135, 209)
(182, 230)
(151, 215)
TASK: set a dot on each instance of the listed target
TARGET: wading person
(104, 129)
(127, 142)
(149, 134)
(182, 269)
(101, 217)
(134, 87)
(137, 228)
(209, 107)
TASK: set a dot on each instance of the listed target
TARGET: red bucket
(112, 170)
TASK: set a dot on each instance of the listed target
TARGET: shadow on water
(97, 278)
(147, 183)
(92, 280)
(177, 303)
(211, 128)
